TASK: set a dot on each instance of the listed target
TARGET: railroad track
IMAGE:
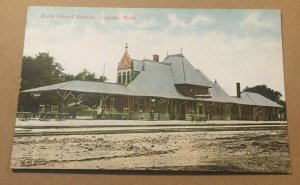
(136, 129)
(141, 125)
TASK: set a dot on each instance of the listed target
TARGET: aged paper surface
(217, 104)
(288, 27)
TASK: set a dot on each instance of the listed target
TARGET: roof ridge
(261, 96)
(174, 55)
(99, 82)
(189, 75)
(67, 83)
(250, 97)
(172, 76)
(203, 77)
(183, 69)
(149, 60)
(220, 87)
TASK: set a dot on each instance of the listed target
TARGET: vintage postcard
(152, 89)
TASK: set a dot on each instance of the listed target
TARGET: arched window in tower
(124, 77)
(128, 77)
(119, 78)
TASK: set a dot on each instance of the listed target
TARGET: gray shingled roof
(218, 94)
(155, 87)
(48, 87)
(137, 65)
(155, 80)
(183, 71)
(204, 76)
(258, 99)
(84, 86)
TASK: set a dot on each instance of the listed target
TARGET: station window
(119, 78)
(124, 78)
(128, 77)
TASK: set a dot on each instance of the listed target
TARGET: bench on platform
(199, 118)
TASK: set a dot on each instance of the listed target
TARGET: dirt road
(240, 150)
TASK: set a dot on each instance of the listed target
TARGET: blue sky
(212, 19)
(227, 45)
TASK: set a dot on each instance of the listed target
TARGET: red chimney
(238, 90)
(156, 58)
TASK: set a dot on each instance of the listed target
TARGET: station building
(171, 89)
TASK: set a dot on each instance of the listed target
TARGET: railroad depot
(160, 90)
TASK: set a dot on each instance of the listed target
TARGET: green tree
(86, 76)
(103, 78)
(40, 71)
(68, 77)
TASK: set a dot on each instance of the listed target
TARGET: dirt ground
(229, 151)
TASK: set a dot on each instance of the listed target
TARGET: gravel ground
(229, 151)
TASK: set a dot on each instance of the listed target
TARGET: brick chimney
(156, 58)
(238, 90)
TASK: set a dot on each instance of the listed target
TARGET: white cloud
(198, 19)
(36, 38)
(230, 59)
(175, 21)
(147, 24)
(256, 20)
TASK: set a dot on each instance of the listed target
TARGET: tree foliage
(42, 70)
(39, 71)
(86, 76)
(103, 78)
